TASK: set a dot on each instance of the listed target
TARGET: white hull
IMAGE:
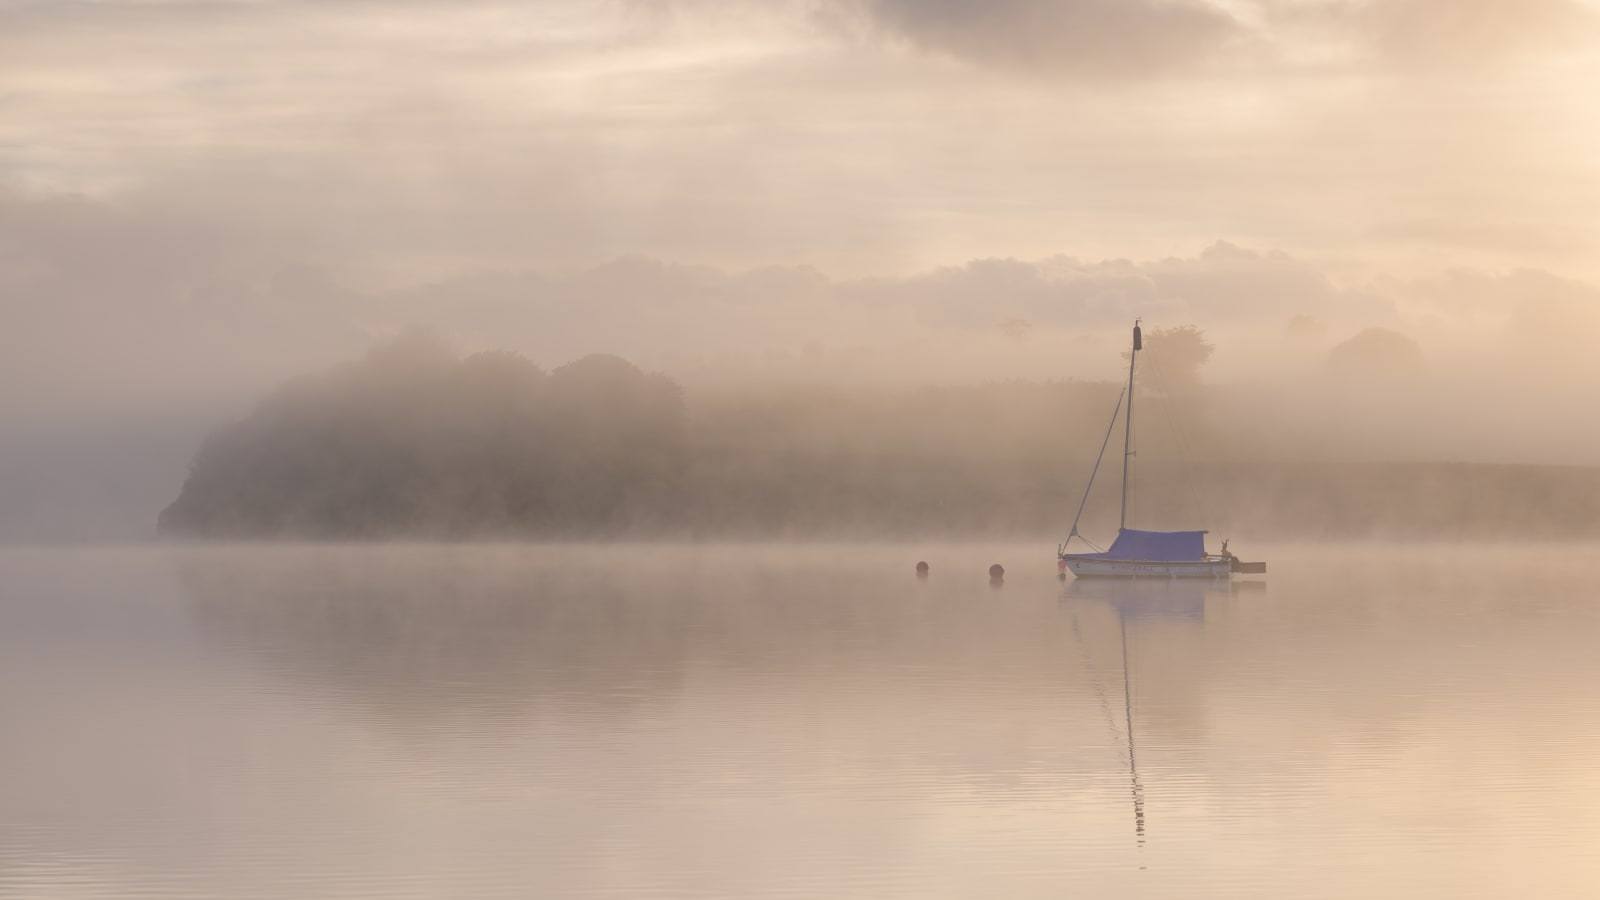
(1113, 568)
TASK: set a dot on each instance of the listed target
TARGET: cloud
(1475, 30)
(1441, 34)
(443, 138)
(1090, 38)
(137, 305)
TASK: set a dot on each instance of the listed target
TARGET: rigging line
(1090, 486)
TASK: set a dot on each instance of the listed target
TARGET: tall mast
(1127, 433)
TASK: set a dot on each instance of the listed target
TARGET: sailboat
(1144, 554)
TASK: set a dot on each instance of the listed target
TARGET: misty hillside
(415, 441)
(412, 440)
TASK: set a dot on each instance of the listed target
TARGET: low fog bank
(874, 400)
(104, 321)
(418, 440)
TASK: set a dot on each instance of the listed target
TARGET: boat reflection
(1133, 601)
(1160, 598)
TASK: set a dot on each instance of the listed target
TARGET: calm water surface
(807, 721)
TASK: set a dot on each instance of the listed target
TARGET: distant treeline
(415, 442)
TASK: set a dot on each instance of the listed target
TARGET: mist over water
(779, 720)
(479, 448)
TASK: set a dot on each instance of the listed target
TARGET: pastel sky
(409, 139)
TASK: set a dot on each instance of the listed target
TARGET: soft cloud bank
(424, 138)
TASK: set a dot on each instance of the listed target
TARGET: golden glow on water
(779, 721)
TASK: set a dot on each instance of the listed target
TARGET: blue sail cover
(1159, 546)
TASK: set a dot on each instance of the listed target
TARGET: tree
(1171, 359)
(1304, 328)
(1376, 351)
(413, 440)
(1016, 329)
